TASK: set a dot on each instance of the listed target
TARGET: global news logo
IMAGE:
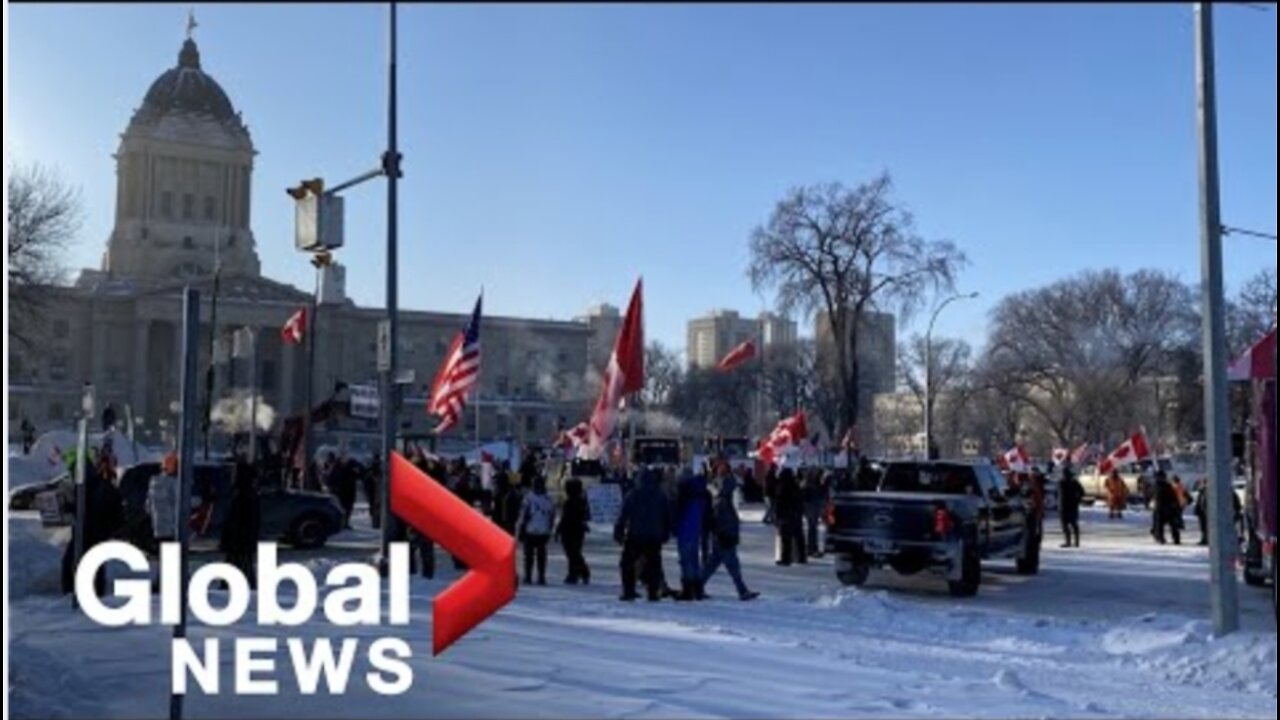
(353, 598)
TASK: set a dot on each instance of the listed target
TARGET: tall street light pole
(928, 371)
(390, 404)
(1223, 546)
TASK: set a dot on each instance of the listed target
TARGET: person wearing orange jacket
(1117, 496)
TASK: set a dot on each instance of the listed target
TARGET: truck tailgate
(901, 516)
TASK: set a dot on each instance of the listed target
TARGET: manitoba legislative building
(184, 169)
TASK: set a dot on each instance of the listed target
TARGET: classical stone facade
(184, 171)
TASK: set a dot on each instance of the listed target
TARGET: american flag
(458, 375)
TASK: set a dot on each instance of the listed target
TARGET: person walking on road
(241, 529)
(537, 522)
(815, 490)
(693, 516)
(727, 536)
(1117, 496)
(1168, 511)
(790, 519)
(1070, 496)
(575, 523)
(643, 527)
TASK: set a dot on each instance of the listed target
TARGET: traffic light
(318, 217)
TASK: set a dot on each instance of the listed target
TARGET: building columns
(141, 379)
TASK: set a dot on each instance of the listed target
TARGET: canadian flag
(575, 436)
(294, 328)
(1135, 449)
(1017, 460)
(1258, 363)
(737, 356)
(624, 376)
(791, 431)
(1061, 455)
(1083, 454)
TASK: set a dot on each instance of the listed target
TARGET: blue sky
(554, 153)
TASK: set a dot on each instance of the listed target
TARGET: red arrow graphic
(429, 508)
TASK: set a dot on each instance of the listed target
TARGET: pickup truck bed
(939, 517)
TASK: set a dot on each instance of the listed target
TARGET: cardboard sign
(605, 502)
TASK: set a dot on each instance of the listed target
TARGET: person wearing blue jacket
(693, 517)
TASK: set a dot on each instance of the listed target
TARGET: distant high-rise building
(712, 336)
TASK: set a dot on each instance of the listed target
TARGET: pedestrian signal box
(318, 217)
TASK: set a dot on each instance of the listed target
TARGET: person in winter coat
(104, 516)
(1181, 491)
(162, 501)
(1070, 496)
(575, 523)
(1202, 510)
(643, 527)
(346, 478)
(423, 546)
(1168, 511)
(537, 521)
(727, 536)
(693, 516)
(1117, 496)
(770, 495)
(789, 508)
(241, 529)
(815, 489)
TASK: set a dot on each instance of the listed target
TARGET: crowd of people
(696, 511)
(1165, 495)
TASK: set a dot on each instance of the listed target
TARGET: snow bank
(35, 557)
(46, 458)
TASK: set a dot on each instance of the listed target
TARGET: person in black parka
(643, 527)
(104, 519)
(242, 528)
(789, 508)
(571, 533)
(1070, 496)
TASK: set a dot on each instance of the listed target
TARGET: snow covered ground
(1116, 629)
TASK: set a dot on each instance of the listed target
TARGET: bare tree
(714, 402)
(44, 216)
(1252, 313)
(662, 374)
(844, 253)
(952, 362)
(1076, 352)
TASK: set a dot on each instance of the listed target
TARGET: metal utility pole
(390, 406)
(1223, 545)
(186, 458)
(928, 372)
(320, 262)
(213, 339)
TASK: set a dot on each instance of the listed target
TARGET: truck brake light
(829, 515)
(942, 522)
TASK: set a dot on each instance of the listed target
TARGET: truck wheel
(857, 573)
(970, 576)
(309, 531)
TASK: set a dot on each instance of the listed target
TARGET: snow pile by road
(35, 557)
(1186, 652)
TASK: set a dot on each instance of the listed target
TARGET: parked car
(299, 518)
(933, 516)
(1136, 476)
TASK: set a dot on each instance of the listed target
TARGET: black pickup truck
(935, 516)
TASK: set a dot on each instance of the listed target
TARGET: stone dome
(187, 89)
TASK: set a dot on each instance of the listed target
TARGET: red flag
(294, 328)
(791, 431)
(1258, 363)
(1135, 449)
(737, 356)
(1061, 455)
(623, 376)
(1017, 460)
